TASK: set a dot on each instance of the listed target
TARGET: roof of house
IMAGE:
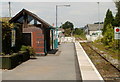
(94, 27)
(20, 17)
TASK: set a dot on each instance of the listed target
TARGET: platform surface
(51, 67)
(72, 63)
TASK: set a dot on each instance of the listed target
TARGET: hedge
(11, 61)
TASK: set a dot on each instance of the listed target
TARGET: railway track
(86, 43)
(103, 57)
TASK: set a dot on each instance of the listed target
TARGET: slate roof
(94, 27)
(19, 18)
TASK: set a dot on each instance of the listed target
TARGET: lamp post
(98, 16)
(56, 42)
(99, 29)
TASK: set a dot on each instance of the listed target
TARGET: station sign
(117, 32)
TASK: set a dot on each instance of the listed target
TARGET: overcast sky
(79, 13)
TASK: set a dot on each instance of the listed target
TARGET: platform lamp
(56, 41)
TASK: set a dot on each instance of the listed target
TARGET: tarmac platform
(72, 63)
(62, 66)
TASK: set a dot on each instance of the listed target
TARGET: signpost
(117, 37)
(117, 32)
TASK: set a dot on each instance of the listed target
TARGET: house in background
(93, 31)
(35, 31)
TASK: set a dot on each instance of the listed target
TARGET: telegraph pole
(9, 9)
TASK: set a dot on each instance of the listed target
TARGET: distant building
(93, 31)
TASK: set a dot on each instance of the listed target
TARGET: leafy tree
(67, 25)
(6, 37)
(108, 20)
(108, 31)
(108, 35)
(108, 38)
(67, 32)
(117, 20)
(78, 31)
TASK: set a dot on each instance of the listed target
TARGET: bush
(29, 49)
(24, 48)
(6, 40)
(13, 60)
(7, 37)
(78, 31)
(108, 39)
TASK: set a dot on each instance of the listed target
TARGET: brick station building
(35, 31)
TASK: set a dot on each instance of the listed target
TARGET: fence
(66, 39)
(93, 37)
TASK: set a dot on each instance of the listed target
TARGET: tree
(117, 17)
(108, 20)
(68, 25)
(108, 38)
(117, 3)
(108, 30)
(108, 35)
(78, 31)
(67, 32)
(6, 37)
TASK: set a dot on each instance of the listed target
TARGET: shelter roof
(19, 18)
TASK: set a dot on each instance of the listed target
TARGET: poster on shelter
(13, 38)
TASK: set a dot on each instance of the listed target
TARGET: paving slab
(88, 70)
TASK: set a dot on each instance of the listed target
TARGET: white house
(93, 31)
